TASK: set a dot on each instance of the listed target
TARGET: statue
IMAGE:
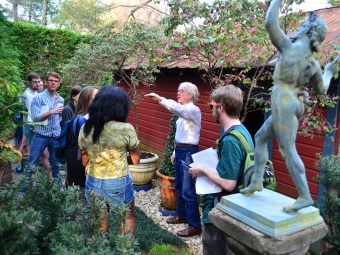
(296, 66)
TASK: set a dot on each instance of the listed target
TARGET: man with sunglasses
(45, 107)
(226, 105)
(188, 127)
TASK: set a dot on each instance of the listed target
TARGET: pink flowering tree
(228, 41)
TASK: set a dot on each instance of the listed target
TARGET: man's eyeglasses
(211, 105)
(55, 81)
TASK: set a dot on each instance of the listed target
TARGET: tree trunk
(30, 9)
(15, 10)
(136, 119)
(44, 13)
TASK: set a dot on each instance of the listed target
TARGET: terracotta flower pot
(168, 193)
(143, 172)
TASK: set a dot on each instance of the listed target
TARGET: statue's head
(315, 28)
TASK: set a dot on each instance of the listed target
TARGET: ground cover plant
(51, 220)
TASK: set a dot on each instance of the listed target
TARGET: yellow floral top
(107, 158)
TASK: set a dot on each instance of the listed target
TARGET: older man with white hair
(188, 127)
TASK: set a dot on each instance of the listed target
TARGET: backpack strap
(79, 121)
(242, 140)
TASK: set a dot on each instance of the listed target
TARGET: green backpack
(269, 181)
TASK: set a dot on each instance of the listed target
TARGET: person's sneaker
(18, 170)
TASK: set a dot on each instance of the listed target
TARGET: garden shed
(154, 119)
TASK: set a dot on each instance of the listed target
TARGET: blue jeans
(116, 192)
(187, 204)
(39, 144)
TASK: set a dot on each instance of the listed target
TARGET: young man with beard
(46, 105)
(226, 105)
(188, 127)
(34, 82)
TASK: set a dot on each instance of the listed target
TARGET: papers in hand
(208, 159)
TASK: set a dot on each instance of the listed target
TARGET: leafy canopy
(124, 57)
(228, 41)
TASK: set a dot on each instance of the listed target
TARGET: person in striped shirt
(46, 107)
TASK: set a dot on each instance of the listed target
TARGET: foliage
(42, 50)
(329, 176)
(61, 222)
(166, 167)
(83, 16)
(314, 120)
(9, 89)
(122, 55)
(229, 42)
(57, 223)
(166, 250)
(334, 2)
(18, 228)
(149, 233)
(33, 11)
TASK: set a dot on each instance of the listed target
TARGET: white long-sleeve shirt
(188, 125)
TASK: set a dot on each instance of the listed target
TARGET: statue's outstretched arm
(278, 38)
(319, 82)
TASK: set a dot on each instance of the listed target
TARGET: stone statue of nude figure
(296, 66)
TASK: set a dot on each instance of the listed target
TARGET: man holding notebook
(226, 105)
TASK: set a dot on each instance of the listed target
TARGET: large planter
(168, 193)
(143, 172)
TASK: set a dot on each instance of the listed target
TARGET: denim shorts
(115, 191)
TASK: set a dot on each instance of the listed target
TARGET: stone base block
(242, 239)
(264, 211)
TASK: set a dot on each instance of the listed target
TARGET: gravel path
(149, 202)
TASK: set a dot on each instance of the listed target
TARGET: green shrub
(166, 167)
(41, 49)
(48, 220)
(329, 176)
(9, 89)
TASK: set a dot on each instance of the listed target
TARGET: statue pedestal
(257, 225)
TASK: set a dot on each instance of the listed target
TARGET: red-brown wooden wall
(154, 119)
(307, 149)
(154, 127)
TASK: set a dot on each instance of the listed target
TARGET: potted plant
(166, 173)
(143, 172)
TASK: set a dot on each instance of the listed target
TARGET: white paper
(29, 117)
(208, 159)
(44, 109)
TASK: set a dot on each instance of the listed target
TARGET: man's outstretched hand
(154, 96)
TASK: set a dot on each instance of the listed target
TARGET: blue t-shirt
(230, 166)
